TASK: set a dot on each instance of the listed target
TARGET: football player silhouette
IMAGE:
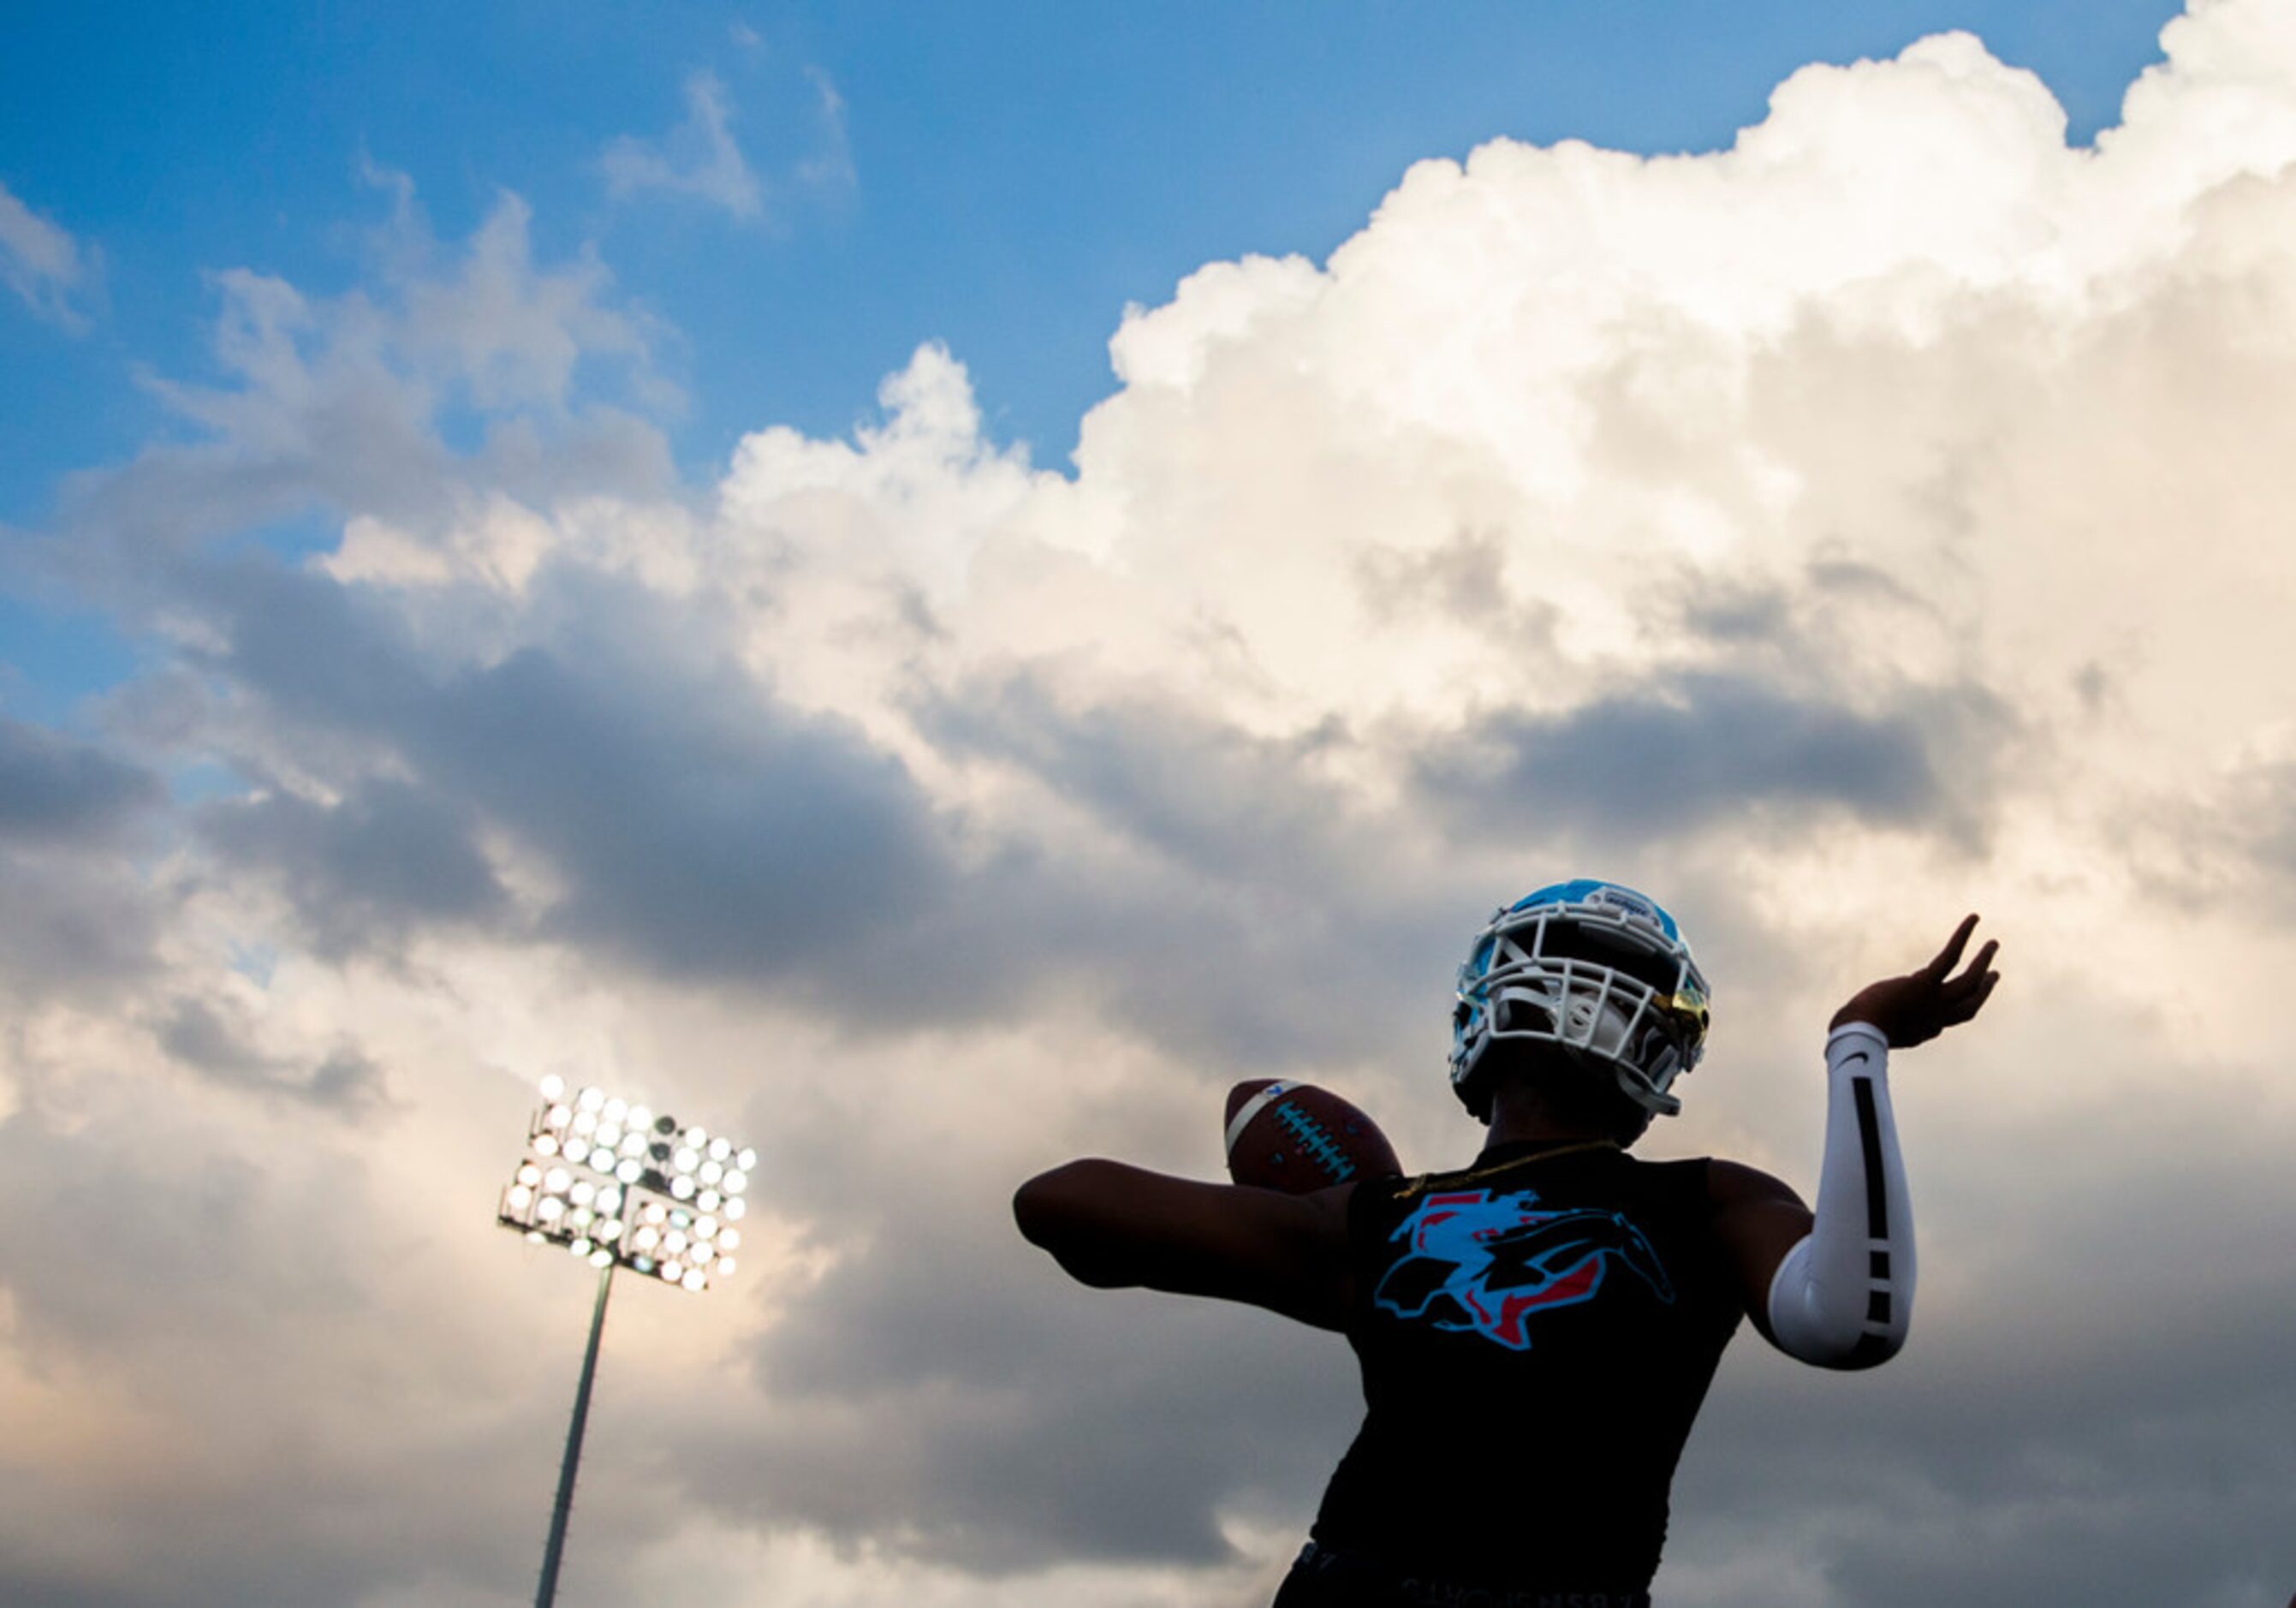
(1536, 1330)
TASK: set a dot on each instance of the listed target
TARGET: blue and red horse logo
(1490, 1263)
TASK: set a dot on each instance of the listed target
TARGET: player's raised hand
(1916, 1008)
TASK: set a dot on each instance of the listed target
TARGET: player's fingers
(1974, 974)
(1951, 956)
(1962, 1009)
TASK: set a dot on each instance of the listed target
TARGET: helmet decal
(1603, 896)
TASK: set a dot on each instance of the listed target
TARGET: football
(1300, 1139)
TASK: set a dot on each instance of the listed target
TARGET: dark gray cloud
(362, 872)
(204, 1036)
(326, 657)
(700, 827)
(2224, 841)
(2092, 1406)
(288, 1571)
(1706, 749)
(705, 827)
(1212, 798)
(1739, 614)
(1243, 906)
(57, 789)
(1127, 1447)
(1461, 583)
(74, 927)
(1022, 1420)
(1237, 902)
(1996, 1466)
(2255, 816)
(1254, 909)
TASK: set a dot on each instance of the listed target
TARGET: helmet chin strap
(1624, 1076)
(1654, 1101)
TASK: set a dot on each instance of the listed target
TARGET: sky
(933, 586)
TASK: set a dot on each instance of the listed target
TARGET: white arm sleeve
(1842, 1297)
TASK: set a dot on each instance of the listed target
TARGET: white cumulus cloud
(702, 158)
(43, 264)
(699, 158)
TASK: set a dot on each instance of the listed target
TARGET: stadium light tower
(619, 1186)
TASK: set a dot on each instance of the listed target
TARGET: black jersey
(1535, 1333)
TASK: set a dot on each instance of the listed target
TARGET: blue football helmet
(1601, 971)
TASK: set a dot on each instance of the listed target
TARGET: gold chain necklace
(1454, 1179)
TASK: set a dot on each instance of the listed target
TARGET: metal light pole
(620, 1188)
(554, 1548)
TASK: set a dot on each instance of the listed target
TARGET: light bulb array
(614, 1183)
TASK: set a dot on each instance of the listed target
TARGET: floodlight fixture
(613, 1183)
(579, 1153)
